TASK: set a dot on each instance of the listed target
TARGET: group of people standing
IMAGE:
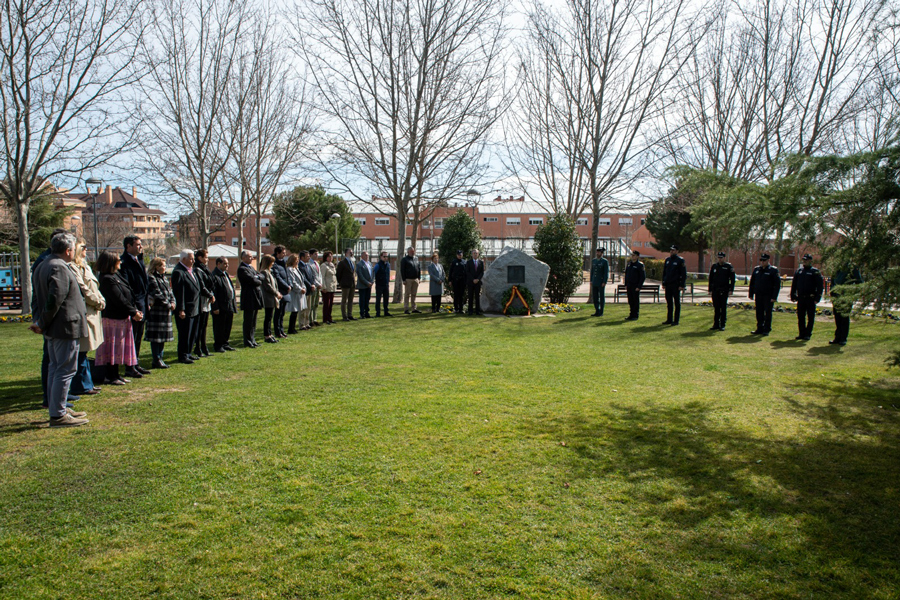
(807, 288)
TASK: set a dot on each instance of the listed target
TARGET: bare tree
(594, 74)
(192, 56)
(64, 68)
(271, 117)
(413, 87)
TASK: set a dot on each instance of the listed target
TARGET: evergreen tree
(557, 244)
(303, 219)
(460, 233)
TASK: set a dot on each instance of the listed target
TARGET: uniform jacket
(474, 271)
(344, 272)
(364, 275)
(133, 271)
(721, 278)
(382, 274)
(59, 305)
(186, 288)
(435, 279)
(279, 271)
(223, 290)
(94, 302)
(599, 271)
(269, 289)
(251, 283)
(409, 268)
(458, 271)
(674, 272)
(117, 292)
(765, 282)
(329, 279)
(807, 285)
(634, 274)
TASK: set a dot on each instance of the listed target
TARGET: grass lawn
(455, 457)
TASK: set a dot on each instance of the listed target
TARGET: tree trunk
(401, 252)
(700, 260)
(24, 258)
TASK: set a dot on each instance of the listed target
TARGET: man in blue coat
(599, 278)
(382, 284)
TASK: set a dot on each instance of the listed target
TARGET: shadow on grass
(745, 339)
(819, 510)
(830, 349)
(777, 344)
(21, 395)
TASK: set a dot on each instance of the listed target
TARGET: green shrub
(557, 244)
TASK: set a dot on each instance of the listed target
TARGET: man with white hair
(59, 313)
(186, 288)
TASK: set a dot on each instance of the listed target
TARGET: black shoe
(764, 333)
(417, 312)
(377, 315)
(806, 339)
(405, 312)
(667, 322)
(722, 328)
(193, 357)
(673, 323)
(141, 370)
(186, 360)
(714, 328)
(387, 314)
(132, 373)
(597, 313)
(292, 331)
(158, 364)
(271, 340)
(220, 350)
(351, 318)
(799, 337)
(756, 332)
(228, 348)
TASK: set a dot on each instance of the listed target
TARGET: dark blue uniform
(634, 279)
(458, 281)
(806, 291)
(674, 278)
(765, 283)
(721, 285)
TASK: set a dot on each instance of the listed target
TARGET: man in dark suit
(365, 279)
(134, 272)
(204, 276)
(458, 280)
(346, 279)
(382, 284)
(223, 307)
(474, 275)
(251, 297)
(674, 279)
(280, 272)
(60, 315)
(186, 288)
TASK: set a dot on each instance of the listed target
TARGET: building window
(264, 223)
(625, 221)
(264, 241)
(381, 238)
(361, 220)
(513, 221)
(604, 221)
(581, 221)
(234, 241)
(536, 221)
(439, 223)
(382, 221)
(642, 221)
(426, 225)
(234, 223)
(491, 219)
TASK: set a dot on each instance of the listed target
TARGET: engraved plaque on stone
(515, 274)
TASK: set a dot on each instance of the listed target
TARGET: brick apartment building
(118, 214)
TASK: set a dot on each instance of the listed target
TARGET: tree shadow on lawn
(20, 395)
(830, 498)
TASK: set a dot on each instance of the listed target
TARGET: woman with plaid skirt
(161, 303)
(118, 338)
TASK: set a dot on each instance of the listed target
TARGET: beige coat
(329, 280)
(93, 301)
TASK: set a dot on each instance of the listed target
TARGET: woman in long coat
(118, 338)
(270, 293)
(436, 282)
(161, 303)
(329, 286)
(297, 301)
(83, 383)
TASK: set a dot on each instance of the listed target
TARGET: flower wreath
(523, 294)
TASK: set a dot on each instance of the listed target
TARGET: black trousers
(187, 335)
(720, 307)
(673, 303)
(292, 321)
(382, 296)
(268, 314)
(279, 317)
(474, 291)
(634, 302)
(435, 303)
(459, 295)
(137, 327)
(222, 328)
(806, 316)
(250, 326)
(200, 343)
(598, 297)
(841, 326)
(764, 307)
(364, 297)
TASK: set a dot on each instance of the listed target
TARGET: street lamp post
(337, 221)
(89, 182)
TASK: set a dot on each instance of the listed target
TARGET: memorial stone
(513, 267)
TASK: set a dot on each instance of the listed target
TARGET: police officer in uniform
(721, 285)
(674, 279)
(634, 279)
(599, 278)
(458, 281)
(806, 291)
(765, 283)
